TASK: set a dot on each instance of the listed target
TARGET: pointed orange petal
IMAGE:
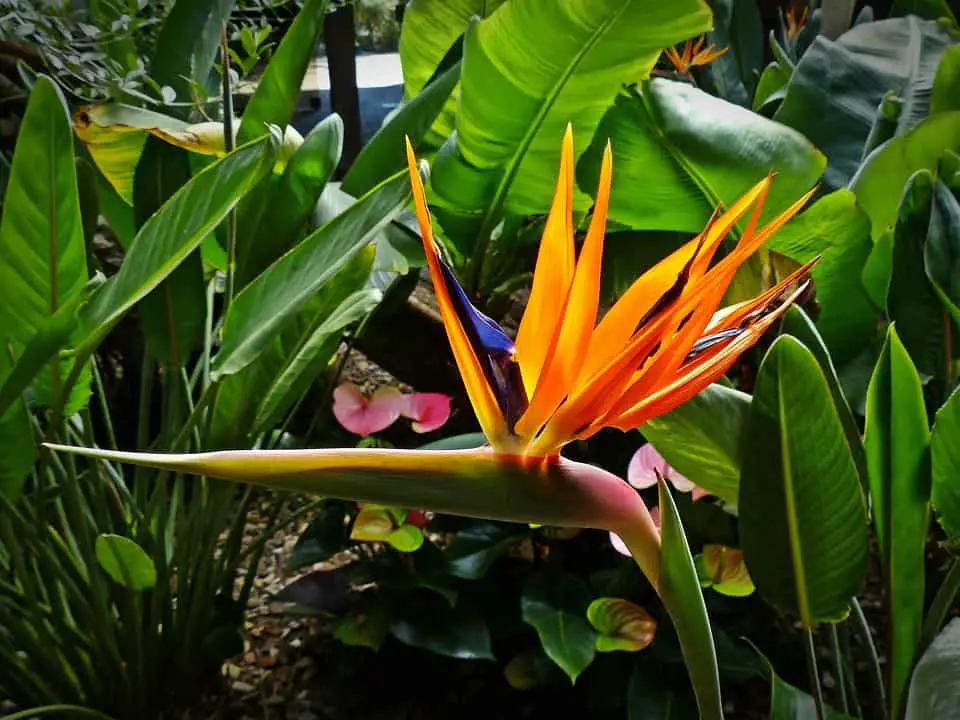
(478, 390)
(563, 363)
(552, 276)
(620, 323)
(698, 374)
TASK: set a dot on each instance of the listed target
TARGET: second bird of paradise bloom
(565, 377)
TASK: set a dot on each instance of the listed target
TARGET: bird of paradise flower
(564, 378)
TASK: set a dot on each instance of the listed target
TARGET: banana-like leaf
(897, 440)
(529, 69)
(945, 461)
(43, 264)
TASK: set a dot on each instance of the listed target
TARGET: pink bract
(362, 415)
(429, 411)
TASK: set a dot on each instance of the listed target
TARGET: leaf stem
(811, 654)
(838, 668)
(876, 674)
(228, 147)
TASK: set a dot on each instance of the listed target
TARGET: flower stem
(811, 654)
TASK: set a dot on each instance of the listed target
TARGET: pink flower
(647, 462)
(429, 411)
(365, 416)
(620, 546)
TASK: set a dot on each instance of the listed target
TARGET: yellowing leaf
(621, 624)
(723, 569)
(385, 524)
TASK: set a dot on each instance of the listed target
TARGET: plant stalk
(810, 651)
(876, 674)
(228, 147)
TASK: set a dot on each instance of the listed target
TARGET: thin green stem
(810, 651)
(876, 674)
(228, 147)
(942, 602)
(838, 668)
(101, 394)
(50, 709)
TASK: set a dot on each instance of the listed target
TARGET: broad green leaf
(885, 173)
(679, 587)
(385, 153)
(941, 251)
(836, 229)
(43, 263)
(260, 394)
(945, 460)
(172, 233)
(929, 9)
(188, 45)
(430, 28)
(171, 315)
(275, 98)
(802, 514)
(935, 688)
(790, 703)
(797, 323)
(723, 569)
(125, 562)
(837, 86)
(771, 86)
(432, 624)
(555, 605)
(326, 535)
(261, 308)
(912, 301)
(896, 439)
(946, 83)
(518, 96)
(474, 549)
(690, 152)
(272, 218)
(467, 441)
(621, 625)
(702, 439)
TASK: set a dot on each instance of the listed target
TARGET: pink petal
(619, 545)
(365, 416)
(644, 466)
(655, 515)
(699, 493)
(429, 411)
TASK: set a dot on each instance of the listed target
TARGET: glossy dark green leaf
(188, 45)
(702, 150)
(912, 301)
(43, 263)
(125, 562)
(797, 323)
(517, 98)
(273, 218)
(897, 444)
(771, 86)
(432, 624)
(929, 9)
(802, 514)
(885, 173)
(837, 230)
(262, 307)
(172, 315)
(702, 439)
(737, 27)
(474, 549)
(941, 251)
(935, 688)
(837, 86)
(945, 461)
(275, 98)
(683, 597)
(467, 441)
(171, 234)
(385, 153)
(790, 703)
(326, 535)
(555, 605)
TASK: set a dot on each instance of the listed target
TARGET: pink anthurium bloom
(366, 416)
(429, 411)
(647, 462)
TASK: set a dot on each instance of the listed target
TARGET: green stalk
(876, 674)
(228, 147)
(101, 395)
(810, 651)
(58, 709)
(838, 668)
